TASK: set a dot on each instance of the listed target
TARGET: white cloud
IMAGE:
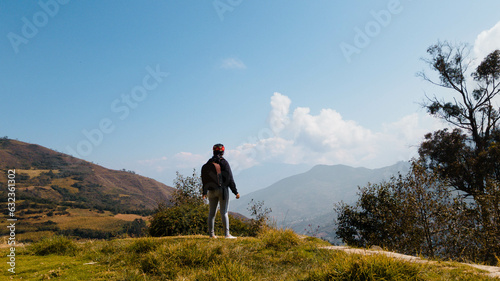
(278, 117)
(486, 42)
(326, 131)
(232, 63)
(301, 137)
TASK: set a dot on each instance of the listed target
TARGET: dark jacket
(211, 180)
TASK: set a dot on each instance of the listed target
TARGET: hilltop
(57, 192)
(272, 255)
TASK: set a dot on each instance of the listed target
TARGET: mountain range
(263, 175)
(305, 201)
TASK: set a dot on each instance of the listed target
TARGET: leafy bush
(87, 233)
(417, 214)
(187, 214)
(238, 226)
(135, 228)
(179, 220)
(191, 220)
(260, 216)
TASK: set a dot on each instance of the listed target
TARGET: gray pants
(214, 198)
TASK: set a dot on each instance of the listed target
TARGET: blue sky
(150, 86)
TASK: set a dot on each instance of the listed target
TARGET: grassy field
(71, 219)
(87, 219)
(273, 255)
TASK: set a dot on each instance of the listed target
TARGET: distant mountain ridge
(309, 198)
(44, 174)
(265, 174)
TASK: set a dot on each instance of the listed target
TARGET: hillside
(273, 255)
(306, 200)
(51, 185)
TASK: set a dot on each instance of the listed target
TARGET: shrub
(179, 220)
(260, 215)
(136, 228)
(417, 214)
(57, 245)
(87, 233)
(238, 226)
(187, 214)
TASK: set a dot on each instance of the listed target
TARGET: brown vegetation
(56, 192)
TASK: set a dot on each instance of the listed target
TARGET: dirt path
(492, 271)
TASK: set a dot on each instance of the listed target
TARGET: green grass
(273, 255)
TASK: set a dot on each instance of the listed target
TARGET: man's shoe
(230, 237)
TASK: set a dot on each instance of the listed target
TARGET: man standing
(217, 179)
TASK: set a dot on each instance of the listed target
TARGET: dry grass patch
(34, 236)
(31, 187)
(32, 173)
(66, 184)
(129, 217)
(87, 219)
(94, 223)
(88, 213)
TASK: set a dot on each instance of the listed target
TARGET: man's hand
(238, 196)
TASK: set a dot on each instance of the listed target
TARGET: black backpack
(211, 176)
